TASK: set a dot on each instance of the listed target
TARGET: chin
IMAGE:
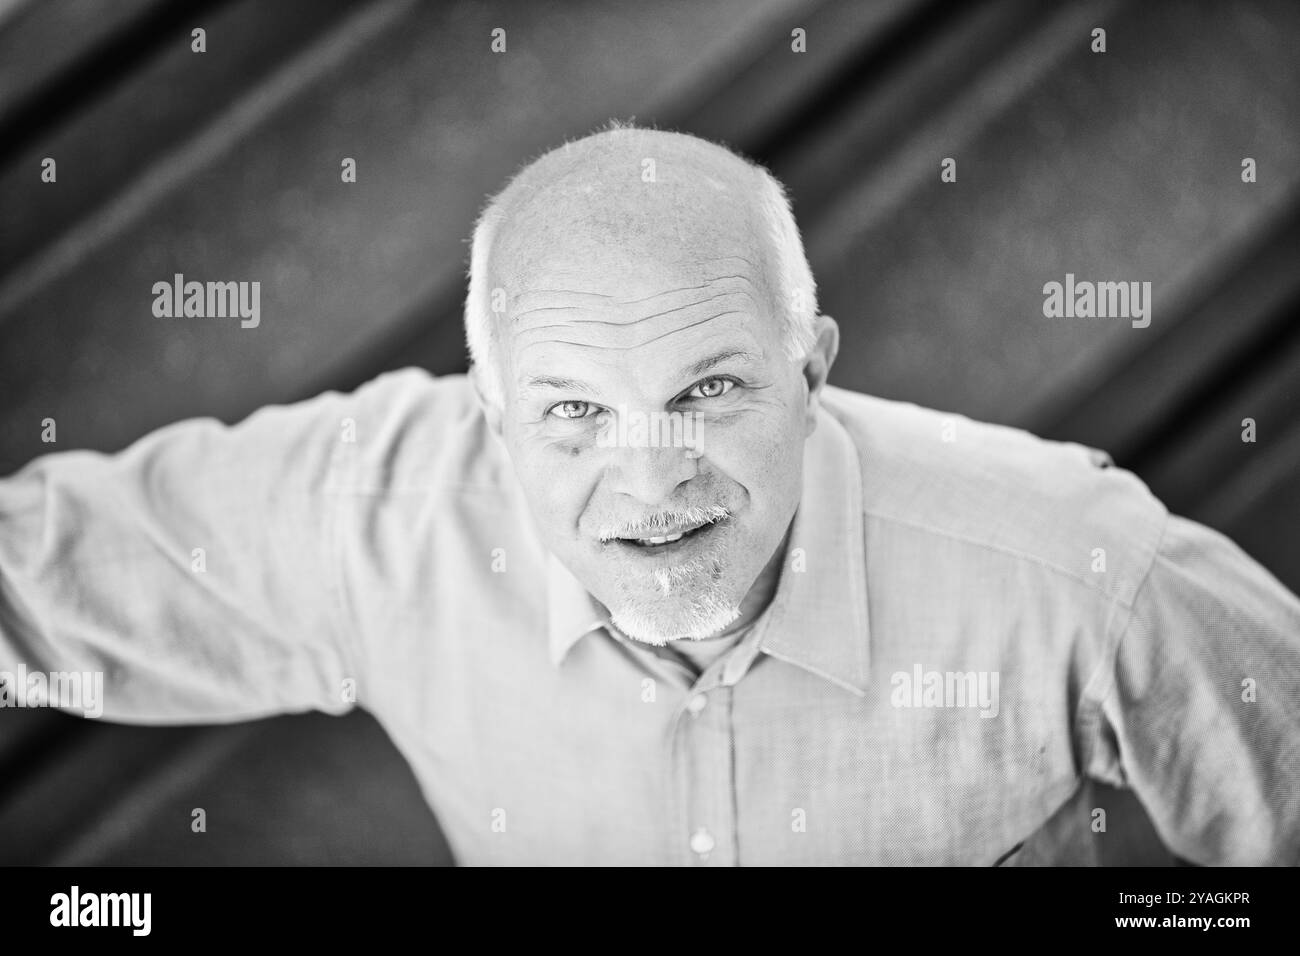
(662, 620)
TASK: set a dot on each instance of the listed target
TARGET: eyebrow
(539, 382)
(713, 361)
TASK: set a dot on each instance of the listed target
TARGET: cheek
(764, 457)
(557, 479)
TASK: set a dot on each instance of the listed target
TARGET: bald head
(620, 213)
(629, 194)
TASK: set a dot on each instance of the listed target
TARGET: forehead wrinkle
(628, 323)
(623, 329)
(625, 335)
(527, 292)
(750, 280)
(725, 258)
(625, 348)
(688, 288)
(516, 297)
(748, 292)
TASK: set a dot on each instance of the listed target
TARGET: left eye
(712, 388)
(570, 410)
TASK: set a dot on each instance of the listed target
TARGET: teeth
(663, 540)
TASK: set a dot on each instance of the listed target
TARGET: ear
(817, 366)
(491, 411)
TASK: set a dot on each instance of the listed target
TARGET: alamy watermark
(632, 429)
(130, 910)
(1100, 300)
(208, 300)
(67, 690)
(922, 688)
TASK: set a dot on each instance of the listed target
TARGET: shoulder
(1001, 489)
(413, 390)
(411, 429)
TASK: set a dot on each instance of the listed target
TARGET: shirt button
(702, 841)
(697, 704)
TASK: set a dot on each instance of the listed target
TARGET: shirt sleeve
(1203, 714)
(195, 571)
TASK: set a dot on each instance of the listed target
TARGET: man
(644, 588)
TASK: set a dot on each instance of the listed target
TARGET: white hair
(793, 283)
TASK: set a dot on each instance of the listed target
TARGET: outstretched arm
(196, 571)
(1202, 717)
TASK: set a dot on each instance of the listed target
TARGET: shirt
(696, 655)
(970, 621)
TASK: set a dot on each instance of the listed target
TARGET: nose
(650, 475)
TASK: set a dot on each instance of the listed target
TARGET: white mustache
(665, 522)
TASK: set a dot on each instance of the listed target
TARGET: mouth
(669, 542)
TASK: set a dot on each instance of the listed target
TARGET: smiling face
(653, 417)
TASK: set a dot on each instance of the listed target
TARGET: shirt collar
(818, 618)
(572, 613)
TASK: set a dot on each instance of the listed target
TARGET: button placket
(708, 786)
